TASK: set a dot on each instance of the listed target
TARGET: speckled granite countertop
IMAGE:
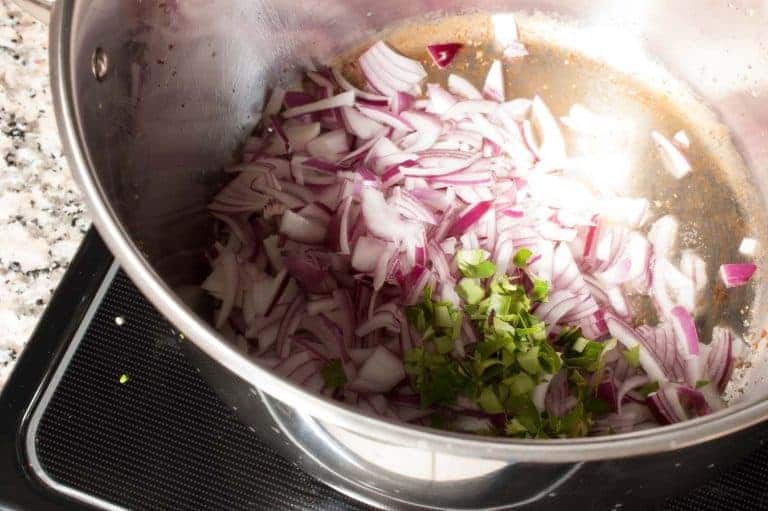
(42, 218)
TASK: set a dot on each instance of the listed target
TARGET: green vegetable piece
(529, 361)
(444, 344)
(443, 386)
(584, 354)
(124, 378)
(522, 408)
(549, 358)
(574, 424)
(443, 317)
(489, 401)
(475, 264)
(701, 383)
(470, 290)
(580, 344)
(514, 428)
(520, 384)
(632, 356)
(333, 374)
(413, 361)
(522, 257)
(596, 405)
(438, 379)
(493, 343)
(540, 291)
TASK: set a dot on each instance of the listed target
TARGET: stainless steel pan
(153, 98)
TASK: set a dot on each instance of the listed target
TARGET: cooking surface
(162, 438)
(42, 217)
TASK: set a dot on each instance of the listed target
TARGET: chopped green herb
(512, 356)
(529, 361)
(124, 378)
(439, 379)
(522, 257)
(489, 401)
(632, 356)
(573, 424)
(702, 383)
(444, 344)
(519, 384)
(588, 358)
(523, 409)
(514, 428)
(333, 374)
(580, 344)
(596, 405)
(442, 316)
(540, 291)
(475, 264)
(470, 291)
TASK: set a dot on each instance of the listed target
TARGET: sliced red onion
(736, 274)
(301, 229)
(428, 130)
(673, 160)
(662, 345)
(688, 342)
(339, 100)
(288, 326)
(551, 142)
(720, 361)
(630, 338)
(470, 106)
(360, 125)
(379, 320)
(290, 364)
(628, 385)
(380, 373)
(367, 252)
(292, 138)
(411, 208)
(389, 72)
(370, 99)
(329, 146)
(559, 401)
(663, 235)
(694, 267)
(270, 291)
(275, 102)
(385, 117)
(444, 53)
(461, 87)
(559, 304)
(322, 81)
(493, 88)
(440, 100)
(382, 221)
(683, 286)
(309, 273)
(471, 216)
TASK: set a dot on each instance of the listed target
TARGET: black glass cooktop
(104, 411)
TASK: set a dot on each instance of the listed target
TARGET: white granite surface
(42, 218)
